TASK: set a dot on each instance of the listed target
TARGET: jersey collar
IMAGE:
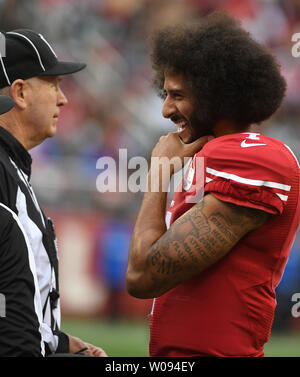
(16, 151)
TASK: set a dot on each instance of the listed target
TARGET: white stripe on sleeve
(247, 181)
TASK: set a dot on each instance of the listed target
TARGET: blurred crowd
(112, 104)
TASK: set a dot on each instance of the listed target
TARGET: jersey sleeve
(256, 177)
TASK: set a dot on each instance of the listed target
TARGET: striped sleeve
(248, 183)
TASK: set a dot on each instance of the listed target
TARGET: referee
(30, 74)
(20, 309)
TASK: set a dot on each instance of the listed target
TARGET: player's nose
(169, 108)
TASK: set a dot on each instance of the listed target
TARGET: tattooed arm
(160, 259)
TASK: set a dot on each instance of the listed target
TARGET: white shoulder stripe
(247, 181)
(282, 197)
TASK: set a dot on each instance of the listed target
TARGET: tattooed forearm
(201, 237)
(243, 217)
(222, 225)
(189, 252)
(194, 242)
(219, 237)
(179, 252)
(164, 264)
(200, 250)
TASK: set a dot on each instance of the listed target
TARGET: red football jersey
(228, 309)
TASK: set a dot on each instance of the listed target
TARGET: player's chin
(188, 139)
(186, 136)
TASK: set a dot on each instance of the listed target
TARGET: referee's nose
(61, 98)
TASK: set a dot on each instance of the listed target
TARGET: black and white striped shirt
(17, 197)
(20, 302)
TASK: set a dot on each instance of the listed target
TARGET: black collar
(16, 151)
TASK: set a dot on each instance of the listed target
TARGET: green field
(123, 338)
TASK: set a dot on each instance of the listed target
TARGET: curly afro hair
(232, 76)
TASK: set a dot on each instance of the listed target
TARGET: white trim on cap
(47, 43)
(32, 44)
(4, 71)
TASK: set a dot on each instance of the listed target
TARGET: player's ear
(18, 93)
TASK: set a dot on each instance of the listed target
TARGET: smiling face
(179, 106)
(44, 99)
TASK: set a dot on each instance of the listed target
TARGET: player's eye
(163, 94)
(177, 95)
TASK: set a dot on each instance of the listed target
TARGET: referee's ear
(18, 93)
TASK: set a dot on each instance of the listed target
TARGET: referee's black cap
(28, 54)
(6, 104)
